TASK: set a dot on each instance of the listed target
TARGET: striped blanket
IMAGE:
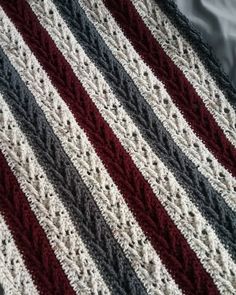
(117, 152)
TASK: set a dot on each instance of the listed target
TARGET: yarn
(121, 202)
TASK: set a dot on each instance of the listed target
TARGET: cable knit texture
(117, 159)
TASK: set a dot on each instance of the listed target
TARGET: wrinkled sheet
(216, 21)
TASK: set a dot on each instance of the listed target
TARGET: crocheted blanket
(117, 152)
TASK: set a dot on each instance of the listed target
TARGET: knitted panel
(141, 154)
(117, 159)
(168, 114)
(188, 61)
(135, 190)
(68, 182)
(14, 276)
(29, 236)
(182, 92)
(43, 200)
(137, 248)
(154, 132)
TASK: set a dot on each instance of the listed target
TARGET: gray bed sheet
(216, 21)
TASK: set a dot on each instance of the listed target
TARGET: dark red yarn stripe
(179, 88)
(29, 236)
(162, 232)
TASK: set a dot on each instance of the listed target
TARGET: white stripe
(186, 216)
(14, 276)
(186, 59)
(125, 229)
(162, 104)
(49, 210)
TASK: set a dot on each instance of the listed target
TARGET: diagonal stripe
(178, 87)
(189, 63)
(203, 50)
(125, 229)
(51, 214)
(176, 253)
(29, 236)
(141, 153)
(169, 115)
(14, 277)
(93, 230)
(210, 203)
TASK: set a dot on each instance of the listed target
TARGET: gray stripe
(210, 203)
(102, 246)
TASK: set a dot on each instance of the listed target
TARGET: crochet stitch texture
(117, 152)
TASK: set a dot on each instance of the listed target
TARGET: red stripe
(163, 234)
(180, 90)
(29, 237)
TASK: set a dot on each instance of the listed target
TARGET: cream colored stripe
(49, 210)
(162, 104)
(183, 55)
(14, 276)
(186, 216)
(125, 229)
